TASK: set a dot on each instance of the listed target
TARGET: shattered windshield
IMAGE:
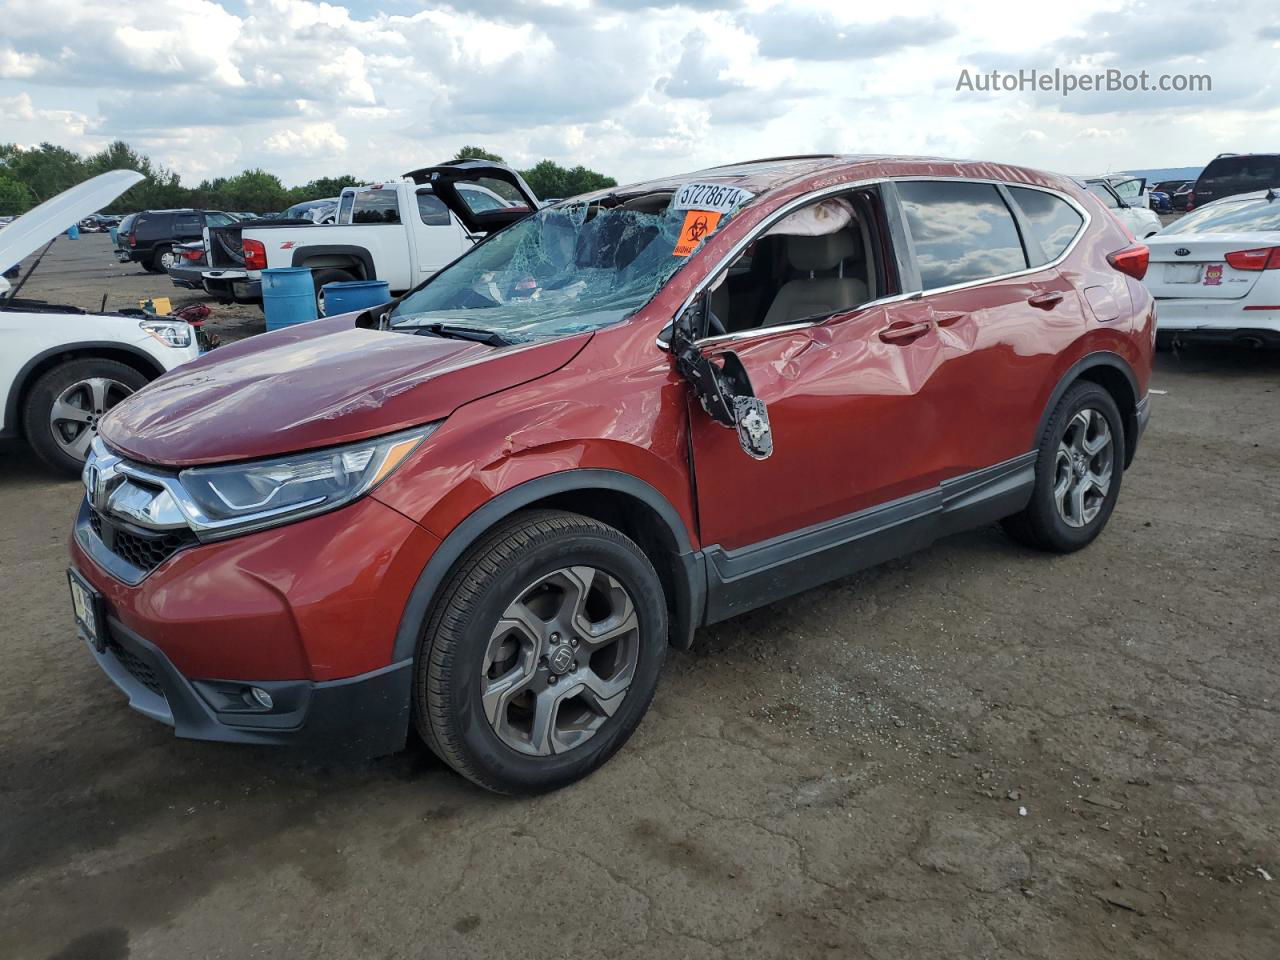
(571, 268)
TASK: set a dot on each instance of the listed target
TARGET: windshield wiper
(453, 331)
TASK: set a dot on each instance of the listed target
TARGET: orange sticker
(697, 225)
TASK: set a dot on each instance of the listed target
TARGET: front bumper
(232, 286)
(307, 612)
(356, 717)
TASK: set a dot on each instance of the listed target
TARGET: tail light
(1262, 258)
(133, 240)
(255, 255)
(1131, 260)
(1191, 200)
(193, 255)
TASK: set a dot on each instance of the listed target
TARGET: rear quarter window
(432, 210)
(376, 206)
(961, 232)
(1052, 222)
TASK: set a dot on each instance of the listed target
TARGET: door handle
(1046, 301)
(903, 332)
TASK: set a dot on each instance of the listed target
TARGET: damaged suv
(483, 512)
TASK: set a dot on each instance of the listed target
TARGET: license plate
(1182, 273)
(86, 605)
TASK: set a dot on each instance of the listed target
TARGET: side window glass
(376, 206)
(961, 231)
(1106, 196)
(432, 210)
(344, 207)
(1051, 220)
(187, 224)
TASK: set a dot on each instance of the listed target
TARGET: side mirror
(724, 390)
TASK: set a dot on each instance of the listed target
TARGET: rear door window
(960, 232)
(376, 206)
(187, 224)
(1052, 221)
(432, 210)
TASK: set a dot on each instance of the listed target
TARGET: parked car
(1215, 273)
(1132, 190)
(317, 211)
(397, 231)
(1159, 201)
(61, 368)
(149, 237)
(190, 262)
(486, 511)
(1229, 174)
(1140, 221)
(1184, 197)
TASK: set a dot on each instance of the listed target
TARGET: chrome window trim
(816, 195)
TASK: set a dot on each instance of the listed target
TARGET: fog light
(262, 697)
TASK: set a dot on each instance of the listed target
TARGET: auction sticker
(698, 224)
(714, 197)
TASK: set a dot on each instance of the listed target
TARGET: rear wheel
(542, 653)
(1078, 473)
(162, 259)
(320, 277)
(64, 407)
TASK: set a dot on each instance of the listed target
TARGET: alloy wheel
(1083, 467)
(168, 259)
(560, 661)
(75, 413)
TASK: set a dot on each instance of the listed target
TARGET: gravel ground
(976, 751)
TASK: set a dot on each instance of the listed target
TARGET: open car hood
(38, 226)
(315, 385)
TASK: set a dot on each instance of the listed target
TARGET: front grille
(138, 668)
(144, 550)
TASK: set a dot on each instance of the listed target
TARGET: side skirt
(749, 577)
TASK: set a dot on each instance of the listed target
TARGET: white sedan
(62, 368)
(1215, 273)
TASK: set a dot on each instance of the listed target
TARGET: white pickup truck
(398, 231)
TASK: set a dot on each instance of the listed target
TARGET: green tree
(14, 196)
(476, 153)
(548, 179)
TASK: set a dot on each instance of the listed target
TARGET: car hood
(315, 385)
(25, 235)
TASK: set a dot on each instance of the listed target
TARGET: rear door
(1001, 308)
(497, 196)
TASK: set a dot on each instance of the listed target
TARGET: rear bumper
(238, 286)
(1215, 319)
(362, 716)
(188, 278)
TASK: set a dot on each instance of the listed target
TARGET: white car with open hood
(1215, 273)
(62, 368)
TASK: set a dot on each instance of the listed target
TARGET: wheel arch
(1114, 374)
(337, 256)
(612, 497)
(43, 362)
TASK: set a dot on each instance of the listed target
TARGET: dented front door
(851, 419)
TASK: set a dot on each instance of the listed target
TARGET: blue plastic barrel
(115, 234)
(347, 296)
(73, 231)
(288, 296)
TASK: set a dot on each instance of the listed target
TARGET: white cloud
(375, 87)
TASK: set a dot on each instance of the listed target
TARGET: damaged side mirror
(723, 389)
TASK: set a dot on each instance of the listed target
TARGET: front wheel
(542, 653)
(1078, 473)
(63, 408)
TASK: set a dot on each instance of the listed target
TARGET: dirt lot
(974, 752)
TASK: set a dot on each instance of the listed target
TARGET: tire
(88, 388)
(156, 264)
(1165, 340)
(537, 557)
(327, 275)
(1065, 523)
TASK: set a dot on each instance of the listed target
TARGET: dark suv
(149, 237)
(1231, 173)
(484, 511)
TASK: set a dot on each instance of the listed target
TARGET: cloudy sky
(634, 89)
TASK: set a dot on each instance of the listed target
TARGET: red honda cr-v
(483, 511)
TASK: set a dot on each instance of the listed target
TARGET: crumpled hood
(315, 385)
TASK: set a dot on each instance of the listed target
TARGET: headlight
(243, 496)
(172, 333)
